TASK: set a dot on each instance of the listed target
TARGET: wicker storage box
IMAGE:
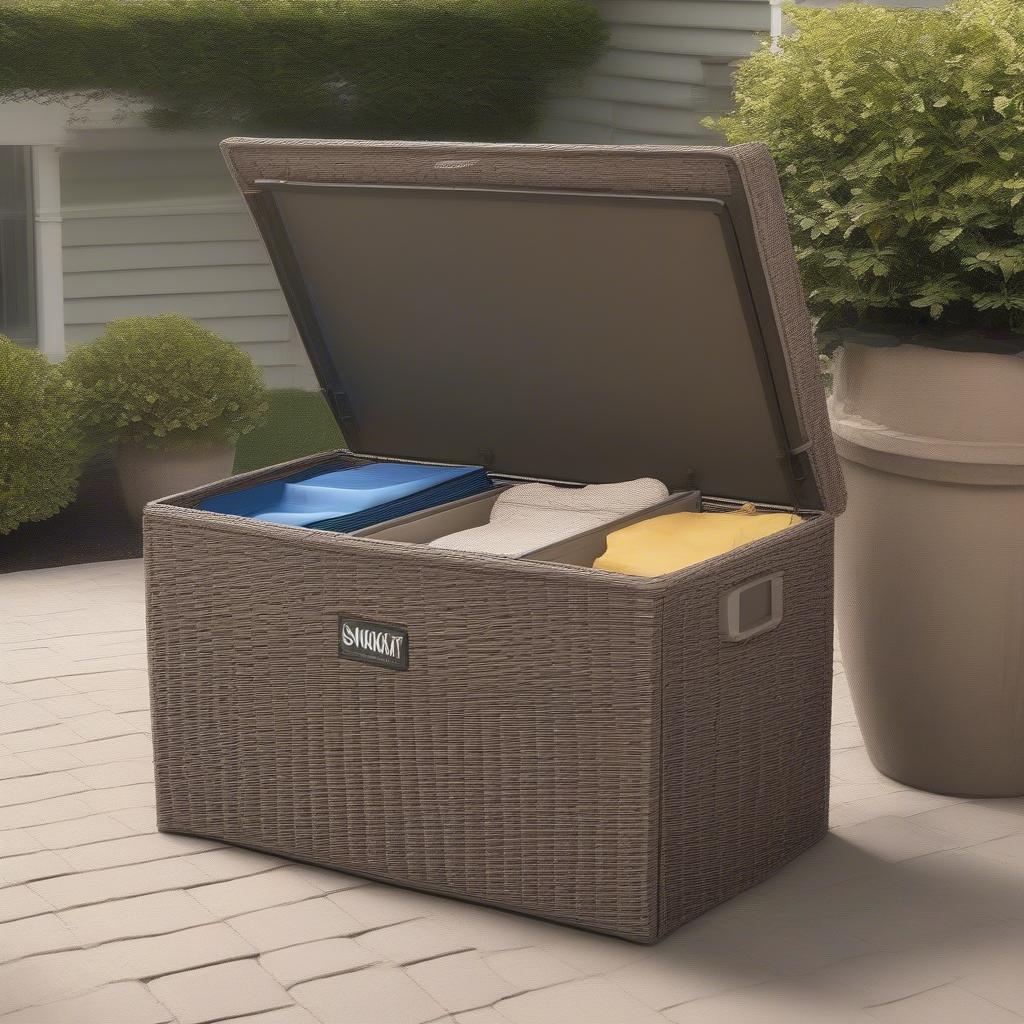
(615, 753)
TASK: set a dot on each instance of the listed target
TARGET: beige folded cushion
(530, 516)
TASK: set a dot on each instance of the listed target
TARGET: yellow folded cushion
(668, 543)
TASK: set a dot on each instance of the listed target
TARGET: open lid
(577, 313)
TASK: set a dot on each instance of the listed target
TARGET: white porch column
(777, 26)
(49, 250)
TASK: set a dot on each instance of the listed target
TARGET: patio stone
(33, 866)
(38, 787)
(202, 946)
(412, 941)
(486, 1015)
(298, 922)
(100, 725)
(132, 850)
(118, 798)
(13, 766)
(133, 918)
(224, 990)
(19, 901)
(69, 705)
(526, 969)
(594, 1000)
(119, 748)
(379, 994)
(1009, 850)
(34, 689)
(462, 981)
(658, 982)
(45, 812)
(126, 1003)
(45, 933)
(55, 759)
(138, 819)
(376, 906)
(114, 775)
(93, 828)
(38, 980)
(17, 841)
(242, 895)
(768, 1004)
(224, 863)
(122, 701)
(88, 887)
(947, 1004)
(317, 960)
(20, 666)
(287, 1015)
(895, 839)
(25, 716)
(882, 977)
(971, 822)
(42, 738)
(92, 681)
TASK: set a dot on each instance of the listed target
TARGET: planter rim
(964, 341)
(931, 458)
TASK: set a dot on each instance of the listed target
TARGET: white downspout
(777, 27)
(49, 252)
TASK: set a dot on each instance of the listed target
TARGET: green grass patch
(299, 423)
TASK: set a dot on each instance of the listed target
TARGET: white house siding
(163, 230)
(667, 67)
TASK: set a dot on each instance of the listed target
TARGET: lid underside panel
(544, 334)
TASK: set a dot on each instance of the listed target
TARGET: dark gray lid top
(564, 334)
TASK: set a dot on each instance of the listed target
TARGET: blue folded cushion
(352, 497)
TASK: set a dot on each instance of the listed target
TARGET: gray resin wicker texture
(567, 743)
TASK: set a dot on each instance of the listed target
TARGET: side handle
(751, 608)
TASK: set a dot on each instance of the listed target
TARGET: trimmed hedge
(457, 69)
(166, 382)
(899, 136)
(41, 448)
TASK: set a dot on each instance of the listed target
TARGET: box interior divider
(467, 513)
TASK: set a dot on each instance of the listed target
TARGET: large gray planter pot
(146, 474)
(930, 562)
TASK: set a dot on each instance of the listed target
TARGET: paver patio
(912, 910)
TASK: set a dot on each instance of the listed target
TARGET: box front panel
(470, 727)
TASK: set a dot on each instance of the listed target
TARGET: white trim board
(149, 209)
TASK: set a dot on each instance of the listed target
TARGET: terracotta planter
(147, 474)
(930, 563)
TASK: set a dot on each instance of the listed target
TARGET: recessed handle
(752, 608)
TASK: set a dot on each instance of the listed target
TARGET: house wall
(155, 230)
(669, 66)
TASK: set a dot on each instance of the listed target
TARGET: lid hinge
(341, 407)
(798, 471)
(798, 465)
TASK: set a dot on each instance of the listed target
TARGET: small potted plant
(41, 447)
(174, 398)
(899, 137)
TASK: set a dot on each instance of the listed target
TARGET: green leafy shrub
(166, 382)
(899, 136)
(464, 69)
(41, 450)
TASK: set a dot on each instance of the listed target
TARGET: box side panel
(745, 725)
(514, 762)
